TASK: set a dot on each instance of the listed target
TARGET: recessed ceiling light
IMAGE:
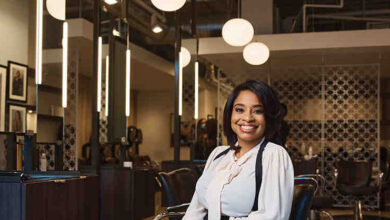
(157, 29)
(111, 2)
(116, 33)
(155, 24)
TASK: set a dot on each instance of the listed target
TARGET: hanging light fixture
(256, 53)
(65, 65)
(196, 90)
(128, 72)
(168, 5)
(111, 2)
(38, 43)
(56, 8)
(156, 26)
(107, 82)
(185, 56)
(237, 31)
(180, 82)
(99, 75)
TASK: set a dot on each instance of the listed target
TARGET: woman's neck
(245, 147)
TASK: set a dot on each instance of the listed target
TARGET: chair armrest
(177, 207)
(173, 214)
(302, 177)
(316, 176)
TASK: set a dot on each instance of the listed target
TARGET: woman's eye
(258, 111)
(239, 110)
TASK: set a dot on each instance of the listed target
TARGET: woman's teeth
(247, 127)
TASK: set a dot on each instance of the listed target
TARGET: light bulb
(237, 32)
(56, 8)
(256, 53)
(168, 5)
(186, 56)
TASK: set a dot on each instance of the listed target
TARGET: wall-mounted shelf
(48, 88)
(50, 116)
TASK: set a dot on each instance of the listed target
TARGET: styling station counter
(48, 196)
(126, 193)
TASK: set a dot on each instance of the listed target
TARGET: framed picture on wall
(17, 118)
(3, 84)
(17, 79)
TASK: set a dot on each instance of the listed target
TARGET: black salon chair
(353, 178)
(308, 168)
(178, 187)
(304, 190)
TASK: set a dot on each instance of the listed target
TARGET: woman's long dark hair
(268, 97)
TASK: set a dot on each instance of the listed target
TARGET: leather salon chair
(353, 178)
(304, 190)
(308, 168)
(178, 187)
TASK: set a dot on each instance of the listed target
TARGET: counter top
(36, 176)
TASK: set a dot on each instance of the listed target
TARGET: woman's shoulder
(215, 153)
(274, 148)
(275, 153)
(219, 150)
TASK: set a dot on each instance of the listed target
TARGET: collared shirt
(228, 186)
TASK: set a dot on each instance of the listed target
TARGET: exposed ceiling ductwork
(212, 14)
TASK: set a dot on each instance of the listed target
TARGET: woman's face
(248, 119)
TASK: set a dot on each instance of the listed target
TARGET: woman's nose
(248, 116)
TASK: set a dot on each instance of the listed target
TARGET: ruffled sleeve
(196, 211)
(277, 187)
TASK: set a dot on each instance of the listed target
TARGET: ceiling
(209, 17)
(233, 65)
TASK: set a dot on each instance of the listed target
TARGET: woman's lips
(247, 128)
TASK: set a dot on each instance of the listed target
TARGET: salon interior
(109, 109)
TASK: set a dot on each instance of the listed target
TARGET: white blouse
(228, 186)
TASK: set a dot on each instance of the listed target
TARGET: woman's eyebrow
(239, 104)
(258, 106)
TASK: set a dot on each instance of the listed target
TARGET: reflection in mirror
(111, 87)
(17, 84)
(50, 113)
(202, 110)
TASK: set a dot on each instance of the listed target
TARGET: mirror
(111, 86)
(17, 80)
(57, 126)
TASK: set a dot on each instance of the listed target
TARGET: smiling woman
(241, 179)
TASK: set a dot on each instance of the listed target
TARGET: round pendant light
(56, 8)
(256, 53)
(186, 56)
(168, 5)
(237, 32)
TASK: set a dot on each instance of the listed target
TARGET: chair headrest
(178, 185)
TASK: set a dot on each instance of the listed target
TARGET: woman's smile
(248, 128)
